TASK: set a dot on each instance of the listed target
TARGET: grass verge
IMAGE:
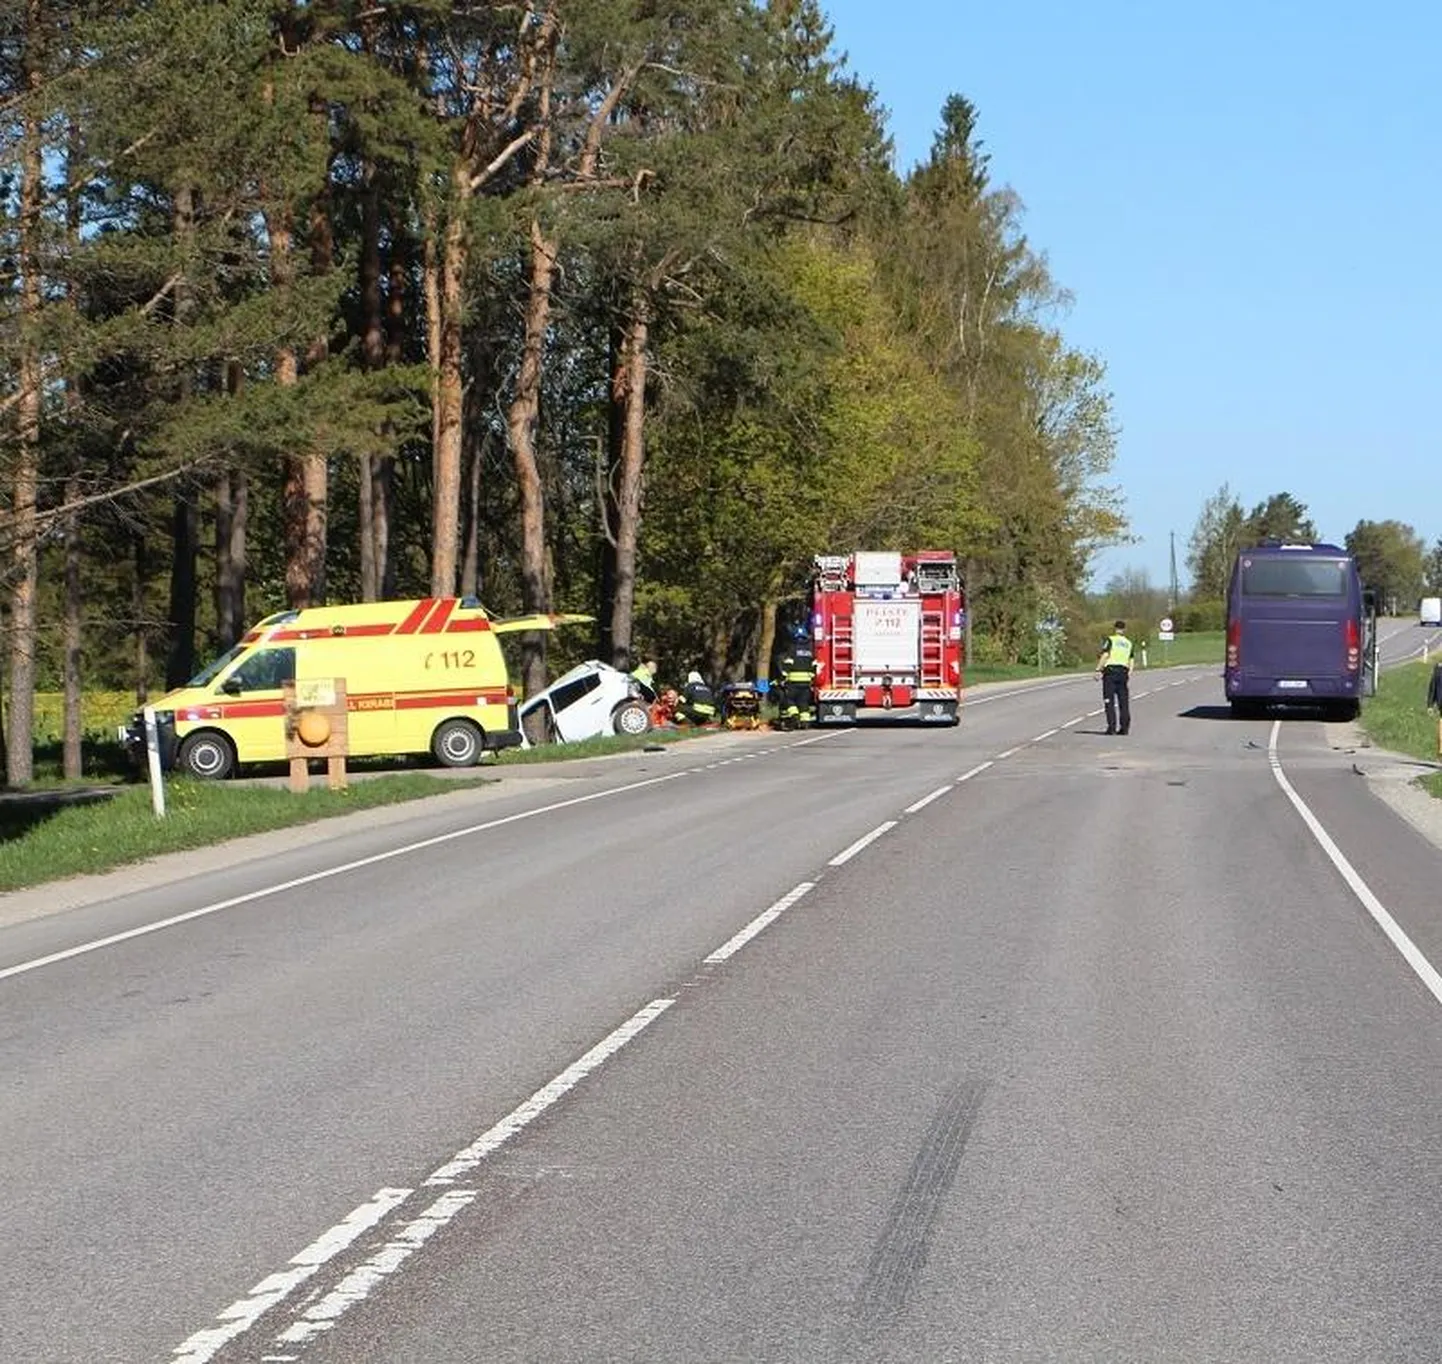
(70, 830)
(1397, 718)
(45, 841)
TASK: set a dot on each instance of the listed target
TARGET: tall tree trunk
(185, 519)
(373, 356)
(630, 382)
(610, 513)
(72, 677)
(449, 397)
(72, 757)
(471, 556)
(139, 612)
(232, 493)
(522, 420)
(184, 547)
(20, 737)
(232, 497)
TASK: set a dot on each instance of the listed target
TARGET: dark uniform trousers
(1116, 697)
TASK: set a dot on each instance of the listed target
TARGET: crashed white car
(592, 699)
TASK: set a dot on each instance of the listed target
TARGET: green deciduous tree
(1391, 561)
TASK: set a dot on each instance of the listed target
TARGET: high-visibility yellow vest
(1119, 651)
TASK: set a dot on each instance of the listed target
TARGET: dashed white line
(495, 1137)
(735, 944)
(1075, 720)
(1010, 753)
(240, 1316)
(1047, 735)
(927, 799)
(1411, 954)
(977, 770)
(846, 854)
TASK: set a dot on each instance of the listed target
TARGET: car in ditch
(591, 700)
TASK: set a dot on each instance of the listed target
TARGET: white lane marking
(1409, 950)
(241, 1315)
(313, 877)
(927, 799)
(1075, 720)
(493, 1138)
(976, 771)
(846, 854)
(1010, 753)
(1047, 735)
(361, 1282)
(736, 943)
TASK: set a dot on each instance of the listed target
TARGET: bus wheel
(207, 756)
(457, 743)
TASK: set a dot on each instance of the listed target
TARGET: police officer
(796, 671)
(697, 705)
(1114, 667)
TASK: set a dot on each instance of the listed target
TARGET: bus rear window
(1294, 577)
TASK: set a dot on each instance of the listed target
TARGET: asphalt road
(1008, 1042)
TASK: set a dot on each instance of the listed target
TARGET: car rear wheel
(457, 743)
(630, 717)
(206, 756)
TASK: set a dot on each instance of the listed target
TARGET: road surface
(1008, 1042)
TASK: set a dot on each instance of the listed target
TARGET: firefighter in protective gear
(697, 703)
(796, 672)
(1114, 667)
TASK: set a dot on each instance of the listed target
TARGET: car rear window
(1271, 577)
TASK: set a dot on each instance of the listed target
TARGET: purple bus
(1300, 631)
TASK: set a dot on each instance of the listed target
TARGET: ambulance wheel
(206, 756)
(457, 743)
(630, 717)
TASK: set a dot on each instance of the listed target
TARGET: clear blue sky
(1245, 200)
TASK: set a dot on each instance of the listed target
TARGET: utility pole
(1172, 595)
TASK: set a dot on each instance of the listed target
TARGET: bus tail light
(1352, 636)
(1234, 643)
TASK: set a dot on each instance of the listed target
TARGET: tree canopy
(601, 305)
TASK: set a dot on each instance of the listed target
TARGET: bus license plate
(1293, 683)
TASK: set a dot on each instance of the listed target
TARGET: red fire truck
(886, 629)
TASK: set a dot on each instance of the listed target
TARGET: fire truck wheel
(630, 717)
(457, 743)
(207, 756)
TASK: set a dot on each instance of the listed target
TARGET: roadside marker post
(152, 762)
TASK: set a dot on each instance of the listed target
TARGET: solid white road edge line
(250, 896)
(1409, 950)
(846, 854)
(736, 943)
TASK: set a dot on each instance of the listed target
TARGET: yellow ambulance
(422, 676)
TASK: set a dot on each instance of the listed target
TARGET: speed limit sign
(1167, 633)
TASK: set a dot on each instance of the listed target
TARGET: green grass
(1191, 650)
(44, 841)
(65, 829)
(1397, 718)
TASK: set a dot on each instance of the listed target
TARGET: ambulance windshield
(211, 671)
